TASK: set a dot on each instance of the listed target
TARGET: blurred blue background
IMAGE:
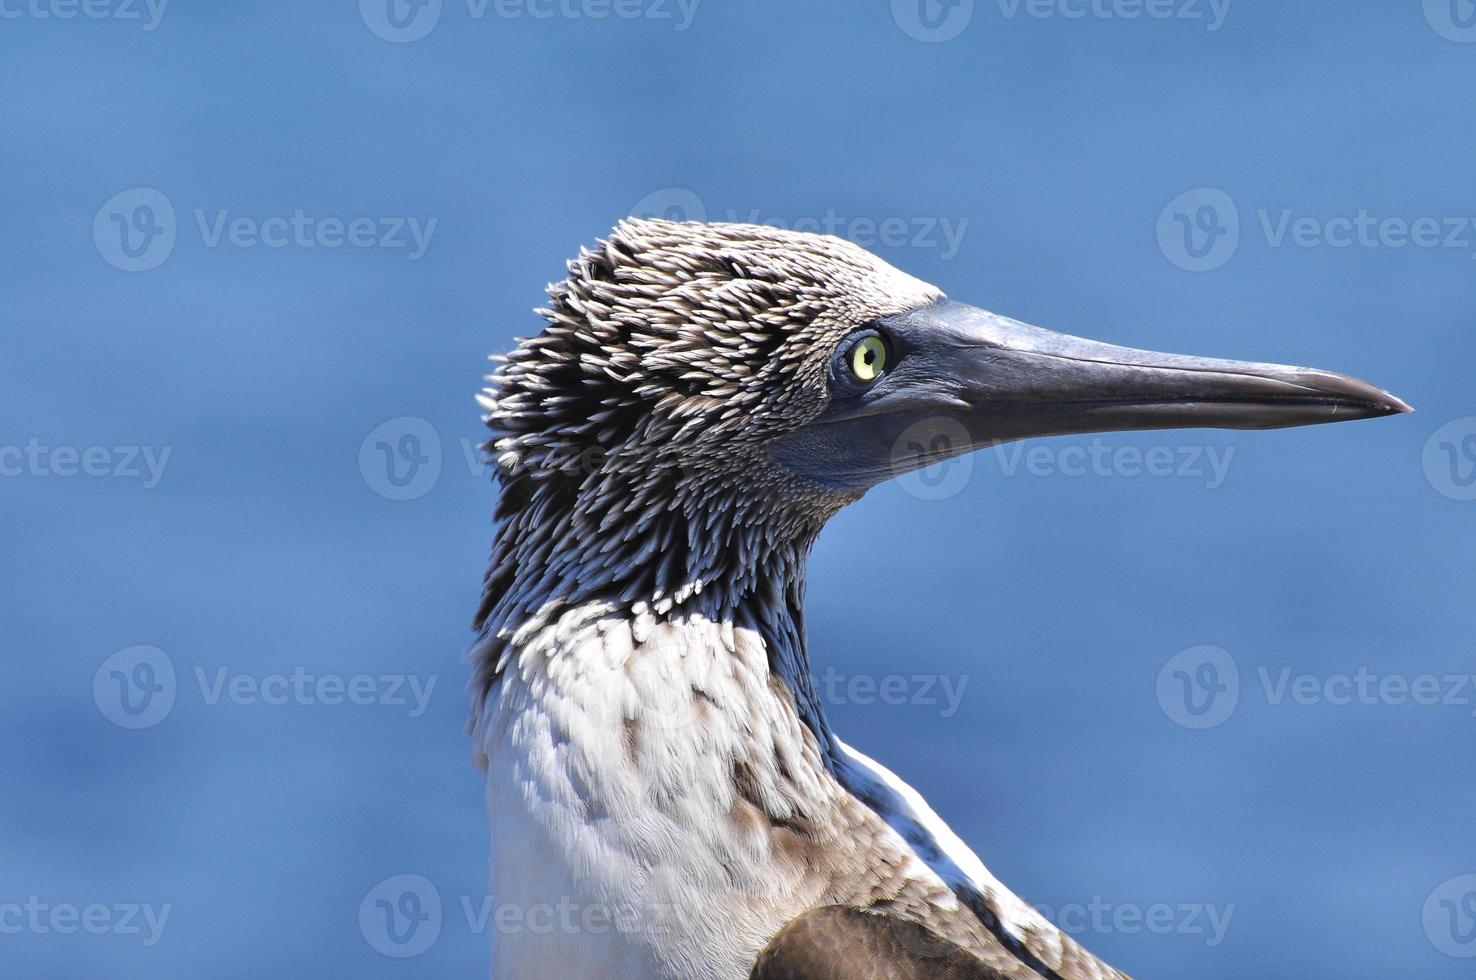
(1116, 176)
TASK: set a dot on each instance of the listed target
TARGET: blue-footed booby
(665, 794)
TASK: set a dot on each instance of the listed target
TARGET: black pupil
(868, 355)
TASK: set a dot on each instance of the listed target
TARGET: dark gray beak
(1020, 380)
(979, 379)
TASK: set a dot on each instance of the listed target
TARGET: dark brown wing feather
(841, 943)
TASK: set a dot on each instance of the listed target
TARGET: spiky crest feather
(630, 435)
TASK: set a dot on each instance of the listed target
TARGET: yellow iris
(869, 358)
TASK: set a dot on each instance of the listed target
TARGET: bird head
(705, 395)
(743, 353)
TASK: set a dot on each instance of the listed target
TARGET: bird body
(654, 779)
(664, 790)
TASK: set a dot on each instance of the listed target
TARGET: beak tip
(1369, 400)
(1392, 404)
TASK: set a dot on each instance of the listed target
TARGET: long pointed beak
(1013, 380)
(963, 378)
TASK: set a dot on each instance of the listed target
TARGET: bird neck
(723, 547)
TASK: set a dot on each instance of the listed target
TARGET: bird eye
(868, 359)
